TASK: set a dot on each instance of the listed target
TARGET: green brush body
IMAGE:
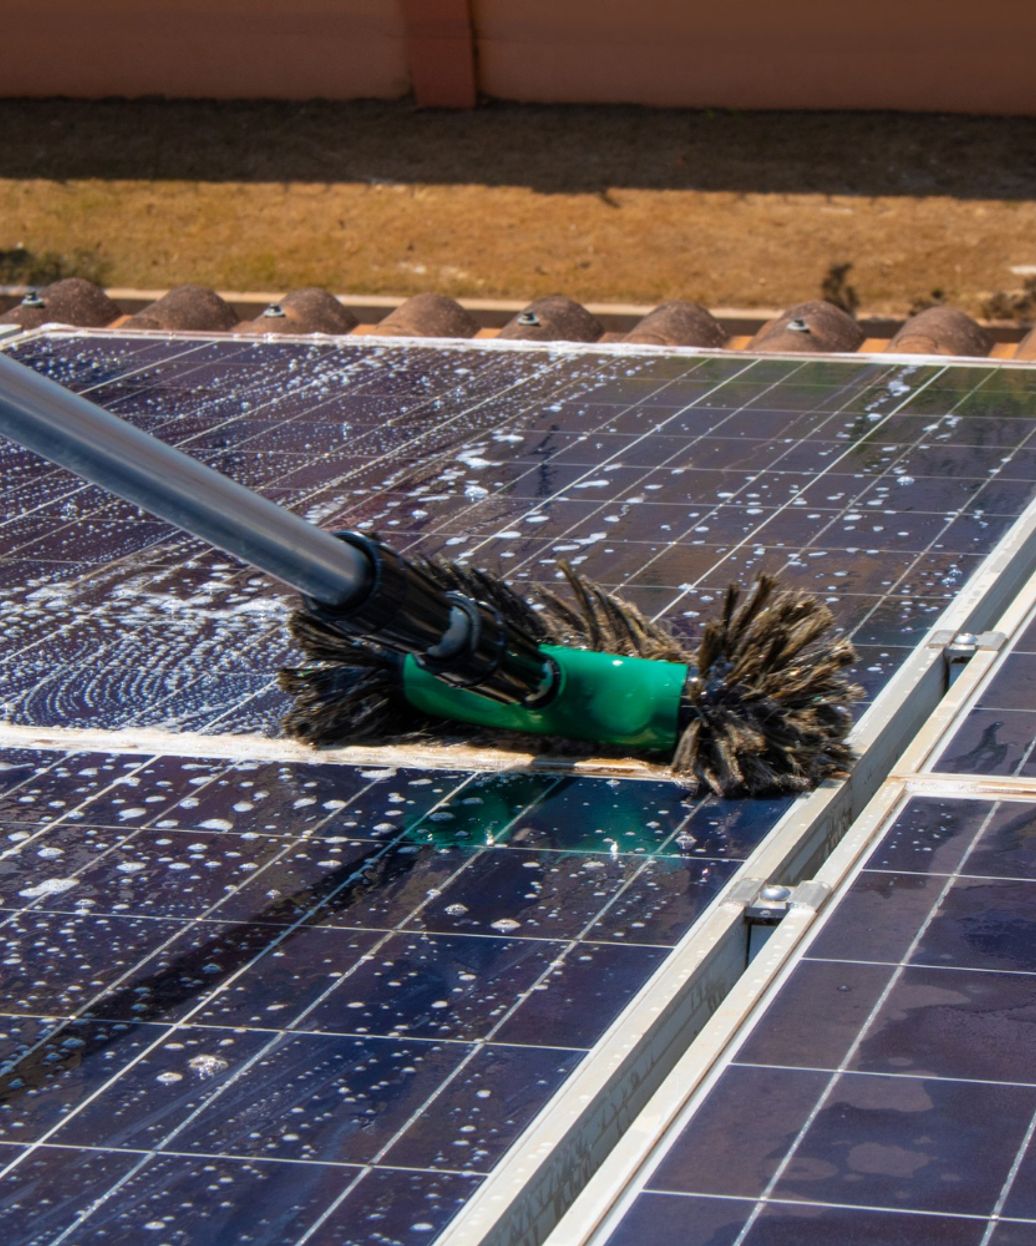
(629, 702)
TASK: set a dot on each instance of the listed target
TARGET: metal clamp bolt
(769, 906)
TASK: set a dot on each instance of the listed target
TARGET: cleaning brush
(394, 647)
(758, 706)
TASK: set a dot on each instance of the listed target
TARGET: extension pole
(368, 590)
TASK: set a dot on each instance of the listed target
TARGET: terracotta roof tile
(185, 307)
(309, 310)
(941, 331)
(813, 326)
(70, 301)
(678, 324)
(429, 315)
(553, 318)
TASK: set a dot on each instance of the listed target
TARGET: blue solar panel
(259, 962)
(317, 1003)
(886, 1094)
(664, 476)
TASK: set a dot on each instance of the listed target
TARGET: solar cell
(342, 995)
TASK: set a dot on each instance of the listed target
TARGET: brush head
(765, 709)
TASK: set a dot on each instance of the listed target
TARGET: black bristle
(767, 707)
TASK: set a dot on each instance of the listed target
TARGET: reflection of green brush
(395, 647)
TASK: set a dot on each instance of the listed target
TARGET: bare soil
(604, 204)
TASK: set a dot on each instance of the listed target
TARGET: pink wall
(286, 49)
(942, 55)
(953, 55)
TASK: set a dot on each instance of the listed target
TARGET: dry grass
(603, 204)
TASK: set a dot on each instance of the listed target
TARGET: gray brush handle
(104, 449)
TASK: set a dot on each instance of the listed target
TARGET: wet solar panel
(666, 477)
(287, 1002)
(288, 968)
(886, 1095)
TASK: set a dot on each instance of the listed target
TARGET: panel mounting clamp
(960, 646)
(766, 904)
(765, 912)
(769, 905)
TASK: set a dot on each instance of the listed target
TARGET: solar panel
(338, 995)
(664, 476)
(886, 1093)
(262, 962)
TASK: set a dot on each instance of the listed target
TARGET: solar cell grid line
(1009, 1184)
(745, 541)
(603, 466)
(651, 433)
(48, 898)
(521, 380)
(100, 389)
(516, 419)
(84, 372)
(40, 903)
(98, 393)
(59, 760)
(433, 462)
(100, 386)
(784, 1163)
(46, 473)
(643, 477)
(401, 924)
(748, 538)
